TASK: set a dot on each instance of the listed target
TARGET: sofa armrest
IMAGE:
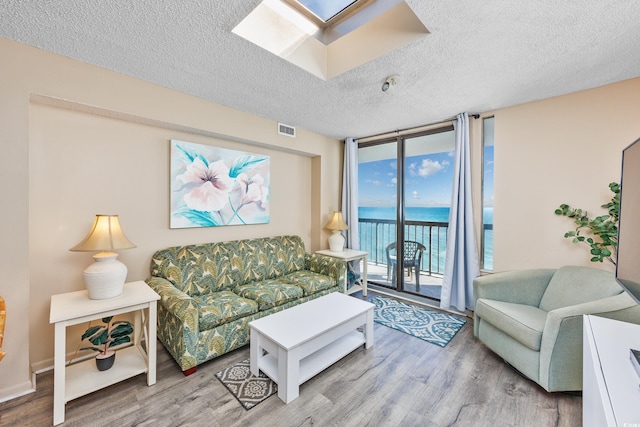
(332, 267)
(177, 321)
(518, 287)
(561, 347)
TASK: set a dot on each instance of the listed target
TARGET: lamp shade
(106, 276)
(337, 222)
(105, 235)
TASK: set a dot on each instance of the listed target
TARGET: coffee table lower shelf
(318, 361)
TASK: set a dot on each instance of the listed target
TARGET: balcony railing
(376, 234)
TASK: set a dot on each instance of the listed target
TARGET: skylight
(328, 12)
(357, 31)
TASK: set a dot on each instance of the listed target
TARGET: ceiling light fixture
(390, 81)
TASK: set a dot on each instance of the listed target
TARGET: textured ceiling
(479, 56)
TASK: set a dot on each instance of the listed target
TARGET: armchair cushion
(524, 323)
(578, 285)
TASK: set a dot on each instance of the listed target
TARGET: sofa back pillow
(194, 269)
(574, 285)
(254, 260)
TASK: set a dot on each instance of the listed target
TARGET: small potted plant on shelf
(108, 335)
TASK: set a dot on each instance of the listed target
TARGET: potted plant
(108, 335)
(603, 229)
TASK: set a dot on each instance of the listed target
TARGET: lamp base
(105, 277)
(336, 242)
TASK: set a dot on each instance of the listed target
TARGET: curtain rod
(412, 129)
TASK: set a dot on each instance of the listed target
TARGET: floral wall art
(213, 186)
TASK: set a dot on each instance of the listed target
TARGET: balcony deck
(430, 285)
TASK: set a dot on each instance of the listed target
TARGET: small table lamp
(337, 224)
(105, 277)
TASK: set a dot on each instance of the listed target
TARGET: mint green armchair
(533, 319)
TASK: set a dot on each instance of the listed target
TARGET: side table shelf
(351, 255)
(83, 378)
(78, 379)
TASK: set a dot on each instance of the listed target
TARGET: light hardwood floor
(401, 381)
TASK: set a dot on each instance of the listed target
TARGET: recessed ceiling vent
(286, 130)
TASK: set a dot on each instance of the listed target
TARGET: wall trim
(67, 104)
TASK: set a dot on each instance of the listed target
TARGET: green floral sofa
(210, 292)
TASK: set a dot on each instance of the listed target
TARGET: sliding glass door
(378, 207)
(407, 182)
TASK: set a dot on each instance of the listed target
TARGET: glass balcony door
(404, 197)
(378, 206)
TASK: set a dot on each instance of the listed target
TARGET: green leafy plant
(110, 334)
(602, 231)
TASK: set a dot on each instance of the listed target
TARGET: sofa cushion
(194, 269)
(254, 260)
(573, 285)
(309, 281)
(524, 323)
(217, 308)
(269, 293)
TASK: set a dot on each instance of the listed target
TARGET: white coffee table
(293, 345)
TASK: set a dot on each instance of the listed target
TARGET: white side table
(82, 378)
(351, 255)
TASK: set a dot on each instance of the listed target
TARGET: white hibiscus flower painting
(212, 186)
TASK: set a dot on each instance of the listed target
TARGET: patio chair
(412, 259)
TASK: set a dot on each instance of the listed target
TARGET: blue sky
(427, 184)
(488, 176)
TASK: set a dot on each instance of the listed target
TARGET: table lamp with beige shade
(106, 276)
(336, 225)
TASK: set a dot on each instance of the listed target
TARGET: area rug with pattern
(430, 325)
(246, 387)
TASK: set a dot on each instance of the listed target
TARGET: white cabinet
(72, 308)
(611, 392)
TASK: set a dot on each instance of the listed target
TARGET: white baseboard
(18, 390)
(47, 364)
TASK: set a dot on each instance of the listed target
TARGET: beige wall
(79, 140)
(559, 150)
(105, 149)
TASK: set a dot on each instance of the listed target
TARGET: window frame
(345, 13)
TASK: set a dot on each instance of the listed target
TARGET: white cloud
(430, 167)
(416, 195)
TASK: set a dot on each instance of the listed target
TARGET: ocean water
(375, 239)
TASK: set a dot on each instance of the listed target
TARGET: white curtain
(461, 262)
(350, 192)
